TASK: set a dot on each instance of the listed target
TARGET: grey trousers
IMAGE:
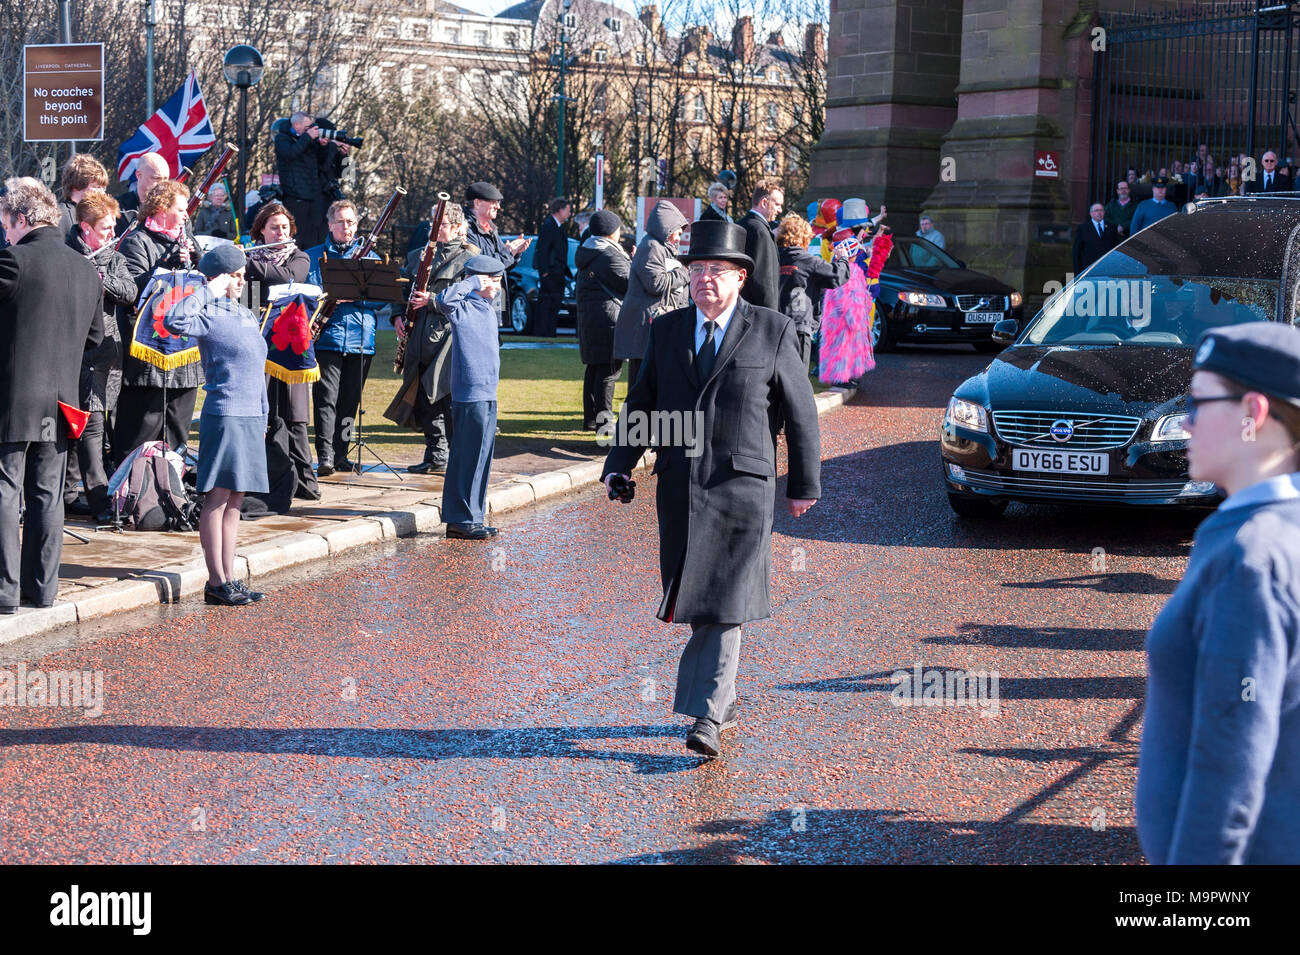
(706, 675)
(33, 471)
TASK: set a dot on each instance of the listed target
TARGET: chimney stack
(742, 39)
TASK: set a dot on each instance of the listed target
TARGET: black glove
(621, 488)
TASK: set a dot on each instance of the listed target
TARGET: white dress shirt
(723, 320)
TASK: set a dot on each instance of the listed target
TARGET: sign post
(600, 181)
(63, 92)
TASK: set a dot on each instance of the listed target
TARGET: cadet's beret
(605, 222)
(1264, 356)
(484, 265)
(482, 190)
(222, 259)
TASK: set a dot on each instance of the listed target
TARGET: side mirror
(1005, 331)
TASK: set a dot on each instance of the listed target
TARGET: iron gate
(1221, 74)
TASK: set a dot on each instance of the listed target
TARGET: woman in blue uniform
(1219, 769)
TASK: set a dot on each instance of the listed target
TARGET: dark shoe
(422, 468)
(345, 466)
(252, 595)
(306, 494)
(492, 531)
(8, 610)
(79, 507)
(467, 532)
(227, 594)
(325, 469)
(704, 738)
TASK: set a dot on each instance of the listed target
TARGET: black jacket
(490, 243)
(804, 280)
(101, 364)
(298, 160)
(603, 269)
(715, 504)
(1281, 182)
(551, 255)
(145, 250)
(763, 287)
(50, 314)
(1089, 246)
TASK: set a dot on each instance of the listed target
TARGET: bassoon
(360, 252)
(421, 283)
(210, 180)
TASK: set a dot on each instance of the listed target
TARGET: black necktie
(1098, 228)
(704, 358)
(1268, 180)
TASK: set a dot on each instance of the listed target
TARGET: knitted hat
(605, 222)
(222, 259)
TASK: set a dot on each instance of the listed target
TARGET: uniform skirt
(232, 453)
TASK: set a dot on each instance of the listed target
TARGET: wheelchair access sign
(1046, 165)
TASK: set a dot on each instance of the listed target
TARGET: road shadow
(536, 742)
(1009, 688)
(1047, 638)
(884, 837)
(1132, 582)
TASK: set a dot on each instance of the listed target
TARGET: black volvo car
(1087, 405)
(926, 295)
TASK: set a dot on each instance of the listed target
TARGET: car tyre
(882, 339)
(521, 314)
(976, 509)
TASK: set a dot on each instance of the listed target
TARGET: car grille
(971, 303)
(1076, 486)
(1091, 432)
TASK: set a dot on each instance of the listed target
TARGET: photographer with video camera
(309, 158)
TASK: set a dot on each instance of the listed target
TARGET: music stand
(373, 280)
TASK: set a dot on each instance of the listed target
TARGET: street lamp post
(243, 68)
(559, 175)
(150, 21)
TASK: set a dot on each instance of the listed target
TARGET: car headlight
(1172, 427)
(922, 299)
(967, 414)
(1016, 299)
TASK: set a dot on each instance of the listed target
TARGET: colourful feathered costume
(847, 314)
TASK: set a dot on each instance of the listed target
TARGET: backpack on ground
(149, 494)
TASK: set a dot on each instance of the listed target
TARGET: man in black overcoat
(763, 287)
(717, 378)
(551, 259)
(49, 314)
(1093, 238)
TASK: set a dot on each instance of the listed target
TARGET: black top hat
(716, 239)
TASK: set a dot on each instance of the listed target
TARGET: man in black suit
(717, 378)
(551, 259)
(1093, 239)
(763, 287)
(49, 313)
(1269, 179)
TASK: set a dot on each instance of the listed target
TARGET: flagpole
(65, 36)
(149, 21)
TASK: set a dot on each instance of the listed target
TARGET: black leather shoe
(306, 494)
(8, 610)
(252, 595)
(227, 595)
(325, 469)
(422, 468)
(704, 738)
(467, 532)
(79, 507)
(345, 466)
(492, 531)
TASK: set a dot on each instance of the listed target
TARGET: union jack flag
(180, 132)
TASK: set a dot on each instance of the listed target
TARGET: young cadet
(475, 371)
(1219, 767)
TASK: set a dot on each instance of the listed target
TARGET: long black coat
(50, 300)
(1089, 246)
(101, 365)
(800, 269)
(490, 243)
(145, 250)
(715, 505)
(603, 269)
(763, 286)
(551, 254)
(298, 161)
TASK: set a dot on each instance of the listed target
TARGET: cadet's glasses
(1194, 402)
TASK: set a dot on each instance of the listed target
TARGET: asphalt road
(450, 701)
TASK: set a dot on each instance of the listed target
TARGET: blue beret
(484, 265)
(1264, 356)
(222, 259)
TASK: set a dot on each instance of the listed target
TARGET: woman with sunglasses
(1219, 768)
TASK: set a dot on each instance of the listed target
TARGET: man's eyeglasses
(1194, 402)
(1270, 160)
(696, 271)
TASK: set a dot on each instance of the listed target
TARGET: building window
(776, 76)
(481, 37)
(615, 25)
(681, 107)
(570, 20)
(638, 101)
(640, 58)
(744, 115)
(769, 160)
(598, 99)
(698, 112)
(759, 73)
(388, 29)
(512, 39)
(452, 34)
(600, 56)
(798, 113)
(419, 31)
(773, 115)
(725, 114)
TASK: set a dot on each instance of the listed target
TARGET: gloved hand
(620, 487)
